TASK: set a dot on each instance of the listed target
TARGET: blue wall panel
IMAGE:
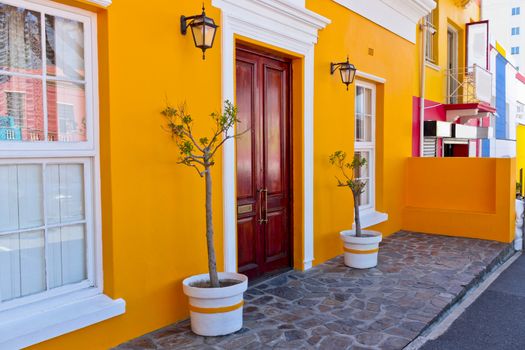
(485, 148)
(501, 98)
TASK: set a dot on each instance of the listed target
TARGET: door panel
(277, 241)
(274, 128)
(263, 163)
(246, 72)
(248, 255)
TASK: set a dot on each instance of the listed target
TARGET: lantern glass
(345, 74)
(347, 71)
(203, 30)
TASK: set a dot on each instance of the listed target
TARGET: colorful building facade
(106, 221)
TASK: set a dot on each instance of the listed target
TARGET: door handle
(261, 219)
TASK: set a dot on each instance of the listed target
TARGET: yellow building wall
(448, 14)
(153, 208)
(520, 151)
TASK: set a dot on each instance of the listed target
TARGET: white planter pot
(216, 311)
(361, 252)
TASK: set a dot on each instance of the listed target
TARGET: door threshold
(268, 276)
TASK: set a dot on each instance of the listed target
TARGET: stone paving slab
(334, 307)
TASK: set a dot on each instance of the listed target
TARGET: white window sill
(432, 66)
(371, 218)
(35, 323)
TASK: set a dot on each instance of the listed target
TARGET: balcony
(469, 94)
(469, 85)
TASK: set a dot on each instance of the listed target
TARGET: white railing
(469, 85)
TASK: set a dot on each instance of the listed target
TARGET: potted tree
(361, 247)
(215, 299)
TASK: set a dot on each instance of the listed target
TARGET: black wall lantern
(203, 29)
(347, 71)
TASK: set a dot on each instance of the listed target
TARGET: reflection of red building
(23, 94)
(23, 99)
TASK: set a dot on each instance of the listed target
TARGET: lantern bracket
(184, 22)
(335, 66)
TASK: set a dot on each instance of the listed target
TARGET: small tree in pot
(198, 153)
(361, 247)
(352, 181)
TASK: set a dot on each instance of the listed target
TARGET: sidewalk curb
(465, 298)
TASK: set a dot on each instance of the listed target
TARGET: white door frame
(285, 25)
(452, 59)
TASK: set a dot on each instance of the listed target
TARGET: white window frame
(368, 146)
(431, 49)
(88, 222)
(368, 214)
(90, 81)
(29, 320)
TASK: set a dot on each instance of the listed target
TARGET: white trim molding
(32, 324)
(371, 77)
(287, 25)
(371, 218)
(100, 3)
(398, 16)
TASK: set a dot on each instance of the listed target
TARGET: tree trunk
(357, 218)
(212, 262)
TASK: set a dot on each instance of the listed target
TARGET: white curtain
(23, 262)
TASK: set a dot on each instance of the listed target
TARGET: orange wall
(466, 197)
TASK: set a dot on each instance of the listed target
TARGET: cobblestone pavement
(335, 307)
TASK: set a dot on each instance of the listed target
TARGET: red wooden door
(263, 163)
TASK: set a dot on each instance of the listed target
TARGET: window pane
(30, 196)
(21, 109)
(367, 122)
(64, 193)
(20, 197)
(22, 264)
(67, 255)
(20, 44)
(359, 128)
(66, 108)
(359, 107)
(363, 171)
(8, 198)
(368, 101)
(65, 47)
(364, 174)
(9, 267)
